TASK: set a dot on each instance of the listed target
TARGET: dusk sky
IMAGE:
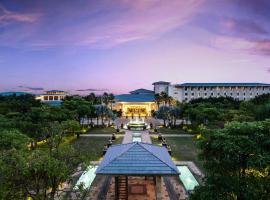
(121, 45)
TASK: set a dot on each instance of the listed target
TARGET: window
(237, 93)
(56, 98)
(204, 88)
(218, 94)
(205, 94)
(185, 88)
(244, 94)
(186, 93)
(212, 94)
(225, 93)
(231, 93)
(192, 93)
(45, 98)
(51, 98)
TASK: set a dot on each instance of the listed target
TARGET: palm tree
(158, 99)
(91, 98)
(163, 113)
(164, 98)
(105, 98)
(111, 99)
(101, 111)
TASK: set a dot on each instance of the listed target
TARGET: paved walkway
(99, 135)
(146, 137)
(127, 137)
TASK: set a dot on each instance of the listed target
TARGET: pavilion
(136, 159)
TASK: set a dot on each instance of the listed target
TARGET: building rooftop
(161, 82)
(221, 84)
(137, 159)
(135, 98)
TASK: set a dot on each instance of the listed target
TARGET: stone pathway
(127, 137)
(146, 137)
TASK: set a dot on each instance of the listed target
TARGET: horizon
(116, 47)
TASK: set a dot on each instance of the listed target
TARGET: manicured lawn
(91, 148)
(183, 149)
(171, 131)
(108, 130)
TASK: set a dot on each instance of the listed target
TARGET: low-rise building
(53, 97)
(139, 103)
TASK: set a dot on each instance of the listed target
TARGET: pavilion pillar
(116, 184)
(158, 188)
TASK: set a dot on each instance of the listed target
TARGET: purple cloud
(104, 23)
(92, 90)
(7, 16)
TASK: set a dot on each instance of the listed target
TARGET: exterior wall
(158, 88)
(182, 93)
(236, 92)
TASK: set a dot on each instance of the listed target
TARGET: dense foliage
(34, 159)
(237, 162)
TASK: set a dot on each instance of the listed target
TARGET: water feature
(187, 178)
(87, 177)
(136, 124)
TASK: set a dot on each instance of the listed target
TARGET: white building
(189, 91)
(52, 97)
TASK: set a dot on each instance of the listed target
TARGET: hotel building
(52, 97)
(189, 91)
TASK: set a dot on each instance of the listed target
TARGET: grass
(91, 148)
(183, 149)
(107, 130)
(171, 131)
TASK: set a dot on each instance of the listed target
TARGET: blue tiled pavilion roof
(137, 159)
(135, 98)
(222, 84)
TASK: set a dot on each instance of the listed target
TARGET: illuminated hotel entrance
(139, 103)
(143, 109)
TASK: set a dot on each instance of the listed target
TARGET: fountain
(136, 124)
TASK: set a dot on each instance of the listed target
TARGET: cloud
(251, 46)
(92, 90)
(7, 16)
(263, 47)
(244, 26)
(98, 24)
(31, 88)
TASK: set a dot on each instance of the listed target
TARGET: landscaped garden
(183, 149)
(99, 130)
(91, 148)
(177, 131)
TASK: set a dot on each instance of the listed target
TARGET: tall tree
(236, 162)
